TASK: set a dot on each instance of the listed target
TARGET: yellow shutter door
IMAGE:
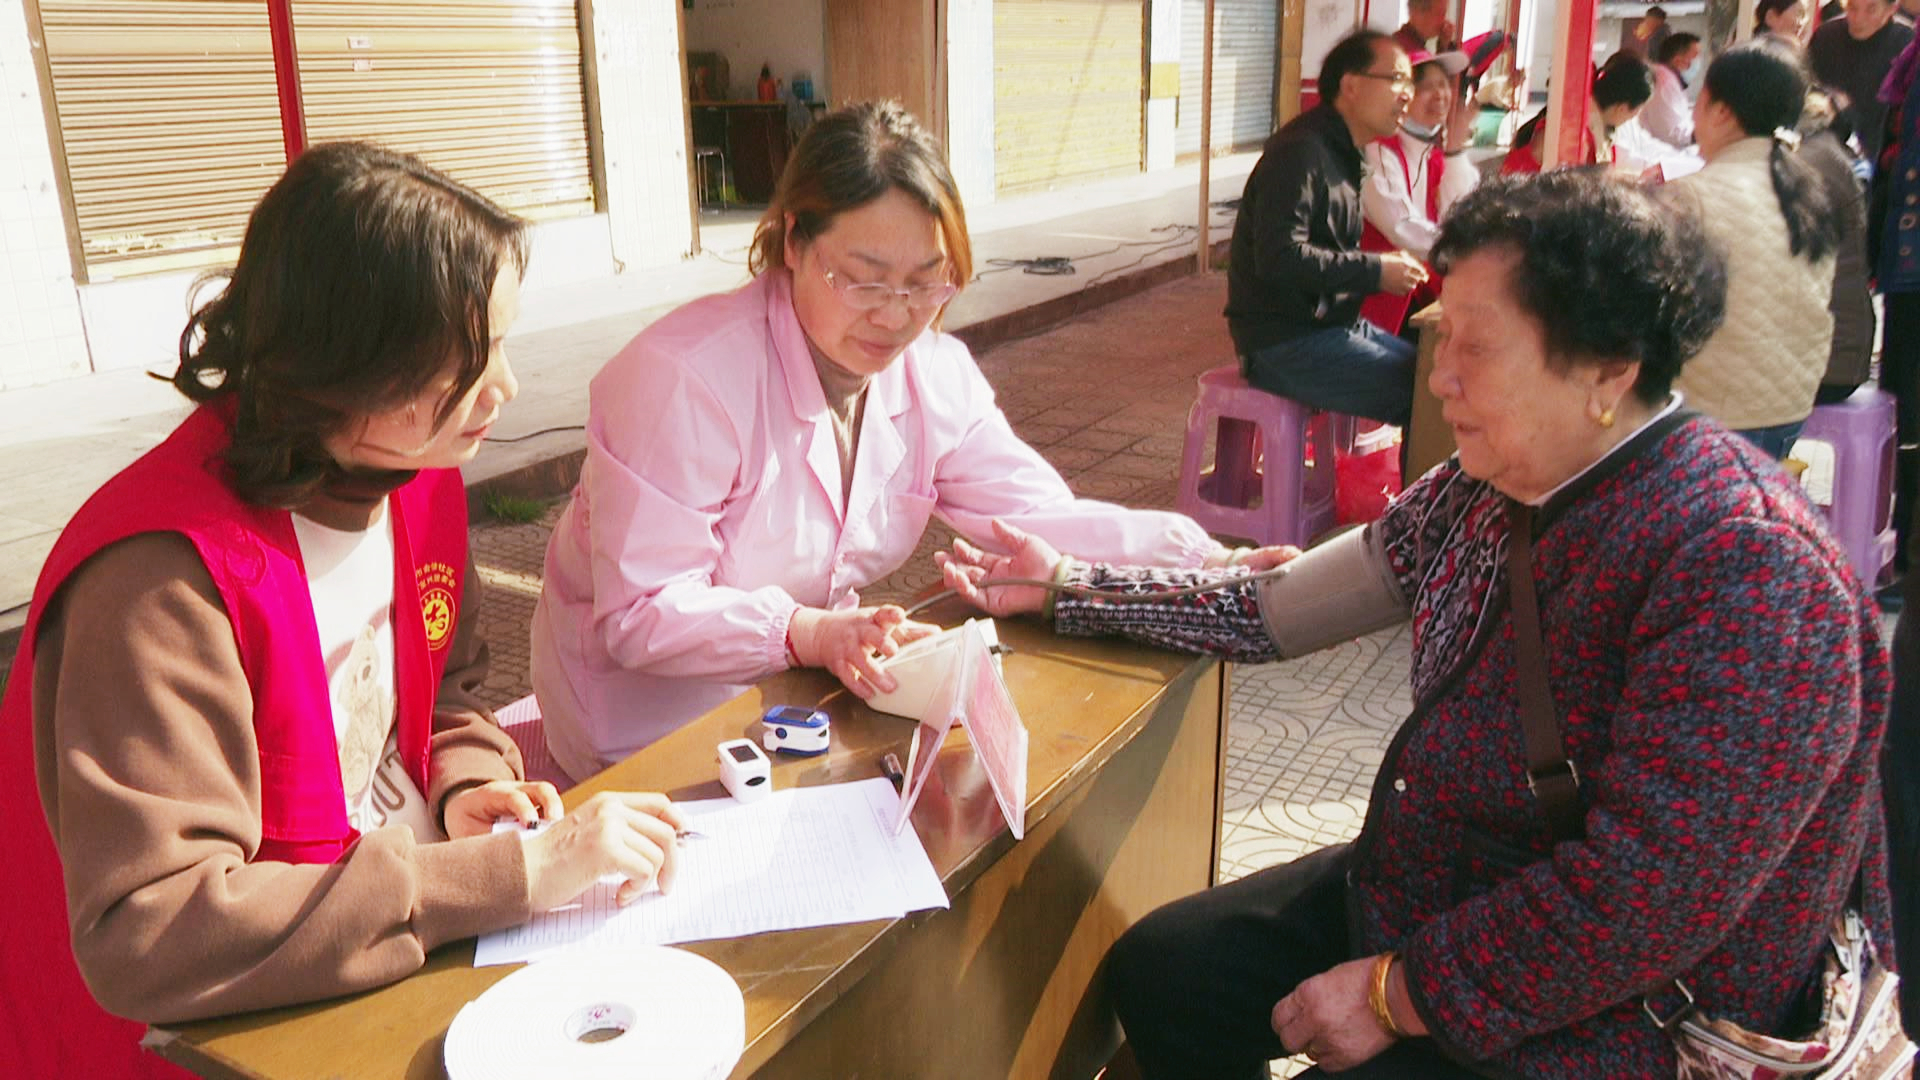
(1068, 90)
(489, 92)
(171, 125)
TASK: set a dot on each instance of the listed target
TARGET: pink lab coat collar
(888, 396)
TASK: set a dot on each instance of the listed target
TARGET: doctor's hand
(970, 572)
(851, 643)
(615, 832)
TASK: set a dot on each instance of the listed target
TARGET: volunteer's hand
(621, 832)
(970, 571)
(1401, 273)
(1328, 1019)
(846, 643)
(474, 810)
(1255, 559)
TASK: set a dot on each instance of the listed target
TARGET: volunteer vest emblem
(436, 583)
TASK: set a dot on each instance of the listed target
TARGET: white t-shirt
(350, 577)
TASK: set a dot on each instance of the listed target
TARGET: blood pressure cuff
(1332, 593)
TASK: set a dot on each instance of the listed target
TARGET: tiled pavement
(1104, 398)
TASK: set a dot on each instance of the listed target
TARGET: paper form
(812, 856)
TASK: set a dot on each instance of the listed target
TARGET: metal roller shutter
(1244, 52)
(170, 122)
(1068, 87)
(489, 92)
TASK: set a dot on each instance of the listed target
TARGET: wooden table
(1123, 814)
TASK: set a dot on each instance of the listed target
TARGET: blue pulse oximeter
(791, 729)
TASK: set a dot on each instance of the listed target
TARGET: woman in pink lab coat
(756, 458)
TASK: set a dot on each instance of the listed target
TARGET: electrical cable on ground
(533, 434)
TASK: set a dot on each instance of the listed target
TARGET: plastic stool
(523, 723)
(1295, 496)
(1861, 432)
(711, 175)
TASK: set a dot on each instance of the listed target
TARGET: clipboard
(974, 695)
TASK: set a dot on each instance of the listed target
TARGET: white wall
(791, 35)
(641, 77)
(970, 112)
(41, 338)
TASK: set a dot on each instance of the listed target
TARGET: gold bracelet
(1377, 995)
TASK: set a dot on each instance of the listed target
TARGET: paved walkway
(60, 441)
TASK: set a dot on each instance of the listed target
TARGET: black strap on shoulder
(1550, 775)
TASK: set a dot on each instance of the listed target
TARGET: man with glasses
(1298, 276)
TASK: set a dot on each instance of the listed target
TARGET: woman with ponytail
(1769, 212)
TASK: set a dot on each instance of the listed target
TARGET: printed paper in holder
(975, 695)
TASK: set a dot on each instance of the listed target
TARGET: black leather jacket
(1296, 265)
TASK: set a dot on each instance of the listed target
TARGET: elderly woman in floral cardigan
(1714, 667)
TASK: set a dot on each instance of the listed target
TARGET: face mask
(1419, 130)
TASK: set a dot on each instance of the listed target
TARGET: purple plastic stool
(1861, 432)
(1295, 498)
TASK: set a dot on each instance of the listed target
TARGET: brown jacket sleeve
(149, 773)
(468, 746)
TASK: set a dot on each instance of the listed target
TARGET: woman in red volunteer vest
(242, 693)
(1413, 176)
(1621, 89)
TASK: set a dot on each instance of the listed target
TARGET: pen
(891, 765)
(539, 825)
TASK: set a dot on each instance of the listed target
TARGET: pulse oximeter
(745, 771)
(792, 729)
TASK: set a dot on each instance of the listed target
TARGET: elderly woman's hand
(1328, 1019)
(972, 572)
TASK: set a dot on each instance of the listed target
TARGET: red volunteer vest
(1372, 239)
(54, 1027)
(1523, 158)
(1386, 310)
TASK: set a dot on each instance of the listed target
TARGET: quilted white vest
(1762, 367)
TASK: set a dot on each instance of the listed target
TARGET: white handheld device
(744, 769)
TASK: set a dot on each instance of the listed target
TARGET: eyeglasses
(1396, 81)
(871, 297)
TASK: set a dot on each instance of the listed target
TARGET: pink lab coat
(709, 509)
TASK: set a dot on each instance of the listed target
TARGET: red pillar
(1514, 62)
(286, 77)
(1572, 76)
